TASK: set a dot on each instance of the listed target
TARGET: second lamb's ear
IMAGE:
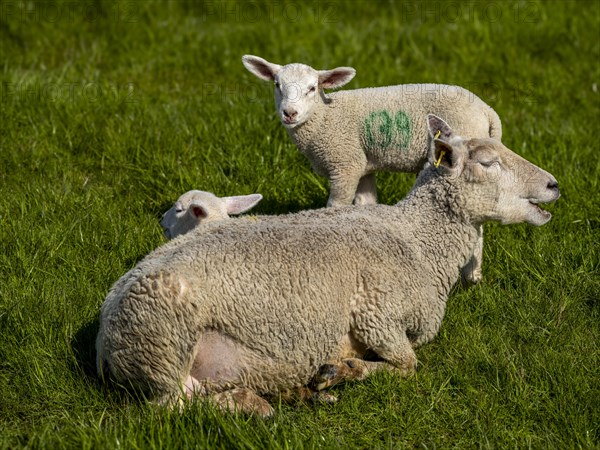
(262, 68)
(198, 210)
(335, 78)
(241, 203)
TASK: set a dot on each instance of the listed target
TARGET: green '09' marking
(381, 131)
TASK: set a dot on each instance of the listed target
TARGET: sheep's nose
(553, 185)
(290, 113)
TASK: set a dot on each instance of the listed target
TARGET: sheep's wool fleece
(285, 290)
(388, 125)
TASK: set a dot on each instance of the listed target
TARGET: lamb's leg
(471, 273)
(343, 185)
(366, 193)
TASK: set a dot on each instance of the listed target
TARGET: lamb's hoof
(243, 400)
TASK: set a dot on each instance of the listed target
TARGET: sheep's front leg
(366, 193)
(471, 273)
(344, 182)
(350, 369)
(389, 342)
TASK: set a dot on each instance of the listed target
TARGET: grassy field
(110, 110)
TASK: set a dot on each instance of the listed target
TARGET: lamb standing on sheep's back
(349, 135)
(244, 309)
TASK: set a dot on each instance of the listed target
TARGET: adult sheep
(195, 208)
(247, 309)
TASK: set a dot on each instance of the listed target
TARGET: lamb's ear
(262, 68)
(438, 128)
(241, 203)
(335, 78)
(198, 210)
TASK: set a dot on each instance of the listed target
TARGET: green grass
(110, 110)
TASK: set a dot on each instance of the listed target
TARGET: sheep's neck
(304, 135)
(433, 210)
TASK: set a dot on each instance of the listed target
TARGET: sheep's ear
(438, 128)
(241, 203)
(444, 155)
(335, 78)
(198, 210)
(262, 68)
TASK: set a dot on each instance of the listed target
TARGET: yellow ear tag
(442, 153)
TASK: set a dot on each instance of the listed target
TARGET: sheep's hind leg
(366, 192)
(242, 400)
(471, 273)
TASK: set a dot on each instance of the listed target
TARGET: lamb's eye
(312, 89)
(277, 85)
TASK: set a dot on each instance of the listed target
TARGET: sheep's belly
(223, 363)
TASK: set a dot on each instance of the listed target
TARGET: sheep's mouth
(535, 204)
(289, 122)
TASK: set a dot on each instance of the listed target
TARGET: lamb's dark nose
(553, 185)
(290, 113)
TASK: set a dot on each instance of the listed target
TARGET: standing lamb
(195, 207)
(250, 309)
(349, 135)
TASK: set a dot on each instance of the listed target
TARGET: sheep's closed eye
(489, 163)
(312, 89)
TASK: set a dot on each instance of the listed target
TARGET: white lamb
(195, 207)
(349, 135)
(245, 309)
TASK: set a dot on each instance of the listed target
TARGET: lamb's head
(298, 87)
(196, 207)
(495, 183)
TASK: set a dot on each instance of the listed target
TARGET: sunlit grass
(110, 111)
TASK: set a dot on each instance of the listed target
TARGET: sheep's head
(297, 86)
(196, 207)
(495, 183)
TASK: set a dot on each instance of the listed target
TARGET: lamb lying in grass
(200, 207)
(349, 135)
(246, 309)
(195, 207)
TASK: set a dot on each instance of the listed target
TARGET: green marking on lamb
(383, 132)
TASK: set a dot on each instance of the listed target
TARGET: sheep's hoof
(470, 277)
(327, 376)
(324, 397)
(243, 400)
(331, 374)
